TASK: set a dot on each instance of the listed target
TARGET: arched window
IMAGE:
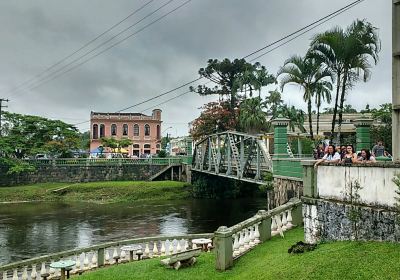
(135, 130)
(158, 146)
(113, 129)
(146, 130)
(136, 146)
(102, 131)
(125, 129)
(95, 132)
(146, 146)
(158, 132)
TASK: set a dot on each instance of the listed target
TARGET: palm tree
(346, 54)
(295, 116)
(308, 74)
(274, 100)
(252, 118)
(322, 93)
(261, 78)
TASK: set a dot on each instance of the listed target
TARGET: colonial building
(143, 130)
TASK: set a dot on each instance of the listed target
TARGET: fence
(233, 242)
(99, 255)
(103, 161)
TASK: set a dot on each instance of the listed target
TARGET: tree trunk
(336, 105)
(342, 96)
(318, 106)
(309, 118)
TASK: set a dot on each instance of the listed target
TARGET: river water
(33, 229)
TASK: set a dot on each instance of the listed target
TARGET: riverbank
(336, 260)
(99, 192)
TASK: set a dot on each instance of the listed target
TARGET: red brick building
(143, 130)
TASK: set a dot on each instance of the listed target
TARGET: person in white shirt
(331, 156)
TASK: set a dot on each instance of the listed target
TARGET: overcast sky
(36, 34)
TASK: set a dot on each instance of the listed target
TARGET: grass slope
(337, 260)
(116, 191)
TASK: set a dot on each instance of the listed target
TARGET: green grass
(337, 260)
(115, 191)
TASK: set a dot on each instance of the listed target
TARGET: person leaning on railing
(366, 157)
(332, 156)
(350, 156)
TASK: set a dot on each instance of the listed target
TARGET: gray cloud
(36, 34)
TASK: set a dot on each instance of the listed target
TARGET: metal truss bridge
(233, 155)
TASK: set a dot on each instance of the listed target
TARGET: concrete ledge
(383, 164)
(288, 178)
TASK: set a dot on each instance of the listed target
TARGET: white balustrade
(43, 270)
(178, 246)
(274, 227)
(155, 249)
(77, 264)
(284, 221)
(256, 234)
(15, 274)
(171, 247)
(236, 244)
(246, 239)
(34, 274)
(241, 242)
(86, 262)
(147, 250)
(186, 247)
(25, 274)
(107, 259)
(162, 248)
(115, 255)
(251, 243)
(5, 275)
(123, 255)
(289, 219)
(52, 271)
(94, 260)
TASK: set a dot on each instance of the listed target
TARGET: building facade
(143, 130)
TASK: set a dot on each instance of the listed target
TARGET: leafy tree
(295, 116)
(215, 117)
(346, 54)
(252, 118)
(307, 73)
(26, 135)
(109, 142)
(383, 131)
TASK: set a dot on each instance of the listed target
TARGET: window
(158, 132)
(125, 129)
(95, 132)
(113, 129)
(147, 146)
(102, 130)
(146, 130)
(136, 146)
(135, 130)
(158, 146)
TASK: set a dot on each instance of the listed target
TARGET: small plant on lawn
(352, 195)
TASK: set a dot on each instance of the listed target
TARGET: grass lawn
(336, 260)
(105, 192)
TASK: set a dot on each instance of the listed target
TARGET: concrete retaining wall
(76, 174)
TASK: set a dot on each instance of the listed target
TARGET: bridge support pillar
(280, 137)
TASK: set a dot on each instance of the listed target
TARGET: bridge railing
(99, 255)
(104, 161)
(233, 242)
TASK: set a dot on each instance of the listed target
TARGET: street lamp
(166, 129)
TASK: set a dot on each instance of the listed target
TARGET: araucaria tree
(347, 53)
(307, 73)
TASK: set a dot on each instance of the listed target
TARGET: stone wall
(74, 174)
(284, 188)
(329, 220)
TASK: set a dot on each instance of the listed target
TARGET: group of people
(347, 155)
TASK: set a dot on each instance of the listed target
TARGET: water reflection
(32, 229)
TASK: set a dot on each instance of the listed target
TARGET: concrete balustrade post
(363, 134)
(264, 228)
(223, 248)
(100, 257)
(309, 179)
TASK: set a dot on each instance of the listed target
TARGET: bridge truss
(234, 155)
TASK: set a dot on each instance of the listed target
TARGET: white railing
(233, 242)
(98, 256)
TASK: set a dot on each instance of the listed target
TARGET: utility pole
(396, 79)
(1, 107)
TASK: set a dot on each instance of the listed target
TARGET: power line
(307, 27)
(49, 77)
(81, 48)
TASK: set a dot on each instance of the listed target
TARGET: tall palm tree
(346, 54)
(322, 93)
(273, 101)
(262, 78)
(252, 118)
(308, 74)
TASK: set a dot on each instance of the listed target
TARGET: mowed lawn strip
(114, 191)
(336, 260)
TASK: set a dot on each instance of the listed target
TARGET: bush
(162, 154)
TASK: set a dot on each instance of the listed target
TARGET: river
(33, 229)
